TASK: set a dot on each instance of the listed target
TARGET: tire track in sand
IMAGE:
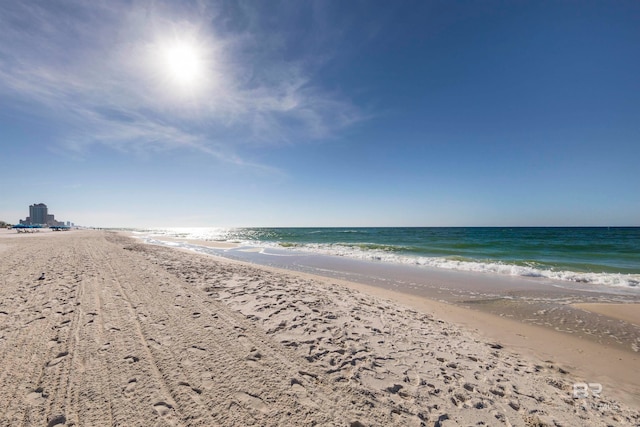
(212, 358)
(127, 335)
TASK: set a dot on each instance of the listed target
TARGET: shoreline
(233, 249)
(172, 337)
(537, 302)
(494, 250)
(579, 330)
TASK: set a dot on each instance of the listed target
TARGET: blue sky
(327, 113)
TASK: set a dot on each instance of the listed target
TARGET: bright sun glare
(183, 62)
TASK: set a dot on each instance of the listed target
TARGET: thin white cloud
(94, 68)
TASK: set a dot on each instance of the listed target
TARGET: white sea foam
(493, 267)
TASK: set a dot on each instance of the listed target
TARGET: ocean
(608, 256)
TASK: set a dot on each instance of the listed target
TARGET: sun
(182, 67)
(183, 62)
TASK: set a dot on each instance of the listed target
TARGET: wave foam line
(495, 267)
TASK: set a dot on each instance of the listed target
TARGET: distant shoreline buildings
(39, 215)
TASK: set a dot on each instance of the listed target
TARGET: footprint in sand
(254, 356)
(53, 342)
(131, 386)
(131, 359)
(162, 408)
(302, 396)
(36, 397)
(57, 421)
(207, 381)
(59, 358)
(155, 344)
(251, 402)
(193, 392)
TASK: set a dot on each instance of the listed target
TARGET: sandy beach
(98, 329)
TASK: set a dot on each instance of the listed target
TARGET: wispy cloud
(92, 66)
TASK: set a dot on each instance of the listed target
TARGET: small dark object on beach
(41, 277)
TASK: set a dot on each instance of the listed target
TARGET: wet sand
(629, 313)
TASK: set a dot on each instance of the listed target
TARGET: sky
(321, 113)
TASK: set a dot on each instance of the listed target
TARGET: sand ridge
(122, 333)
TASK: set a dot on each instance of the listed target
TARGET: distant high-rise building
(38, 213)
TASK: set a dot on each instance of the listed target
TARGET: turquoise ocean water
(600, 255)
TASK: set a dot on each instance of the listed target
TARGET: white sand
(121, 333)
